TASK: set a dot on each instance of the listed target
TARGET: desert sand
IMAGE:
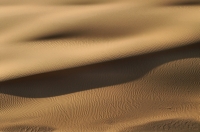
(99, 65)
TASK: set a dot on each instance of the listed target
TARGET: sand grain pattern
(99, 65)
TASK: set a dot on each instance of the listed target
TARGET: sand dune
(99, 66)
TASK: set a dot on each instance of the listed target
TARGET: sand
(99, 66)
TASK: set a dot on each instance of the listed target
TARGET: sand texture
(99, 65)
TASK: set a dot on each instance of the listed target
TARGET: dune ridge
(99, 66)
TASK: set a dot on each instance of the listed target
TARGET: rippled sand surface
(99, 65)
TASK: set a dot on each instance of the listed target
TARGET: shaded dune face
(57, 36)
(182, 3)
(170, 125)
(98, 75)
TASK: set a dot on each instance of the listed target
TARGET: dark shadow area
(170, 125)
(108, 27)
(94, 76)
(21, 128)
(184, 3)
(56, 36)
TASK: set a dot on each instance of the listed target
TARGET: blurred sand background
(99, 65)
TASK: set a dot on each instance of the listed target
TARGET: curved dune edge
(156, 30)
(157, 101)
(99, 65)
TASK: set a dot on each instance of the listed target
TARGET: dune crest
(99, 65)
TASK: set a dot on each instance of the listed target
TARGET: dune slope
(99, 65)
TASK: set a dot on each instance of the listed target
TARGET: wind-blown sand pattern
(99, 65)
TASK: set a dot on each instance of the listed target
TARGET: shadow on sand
(93, 76)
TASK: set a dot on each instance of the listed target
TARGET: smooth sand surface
(99, 65)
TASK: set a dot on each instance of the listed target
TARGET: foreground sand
(99, 65)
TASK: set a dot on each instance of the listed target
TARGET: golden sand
(99, 65)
